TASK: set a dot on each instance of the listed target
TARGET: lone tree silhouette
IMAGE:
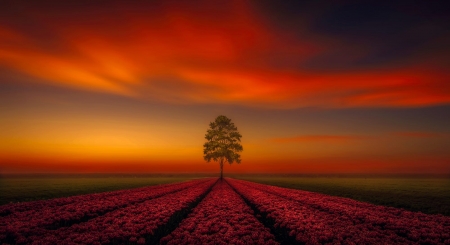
(223, 142)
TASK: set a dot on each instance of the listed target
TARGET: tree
(223, 142)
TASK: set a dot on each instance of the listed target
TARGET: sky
(313, 87)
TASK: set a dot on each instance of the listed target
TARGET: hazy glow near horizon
(131, 87)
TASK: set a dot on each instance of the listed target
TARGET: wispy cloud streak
(204, 54)
(320, 138)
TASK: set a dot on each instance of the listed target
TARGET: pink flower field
(214, 211)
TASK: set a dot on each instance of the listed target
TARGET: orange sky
(124, 87)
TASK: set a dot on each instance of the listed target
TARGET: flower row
(362, 210)
(41, 205)
(312, 218)
(221, 218)
(137, 218)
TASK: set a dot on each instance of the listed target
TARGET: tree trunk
(221, 169)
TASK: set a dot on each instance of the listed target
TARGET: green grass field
(30, 188)
(428, 195)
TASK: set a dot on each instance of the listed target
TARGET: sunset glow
(132, 87)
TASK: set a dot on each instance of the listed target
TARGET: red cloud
(203, 54)
(319, 138)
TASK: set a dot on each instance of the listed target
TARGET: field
(427, 195)
(31, 188)
(214, 211)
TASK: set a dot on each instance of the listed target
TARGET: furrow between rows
(14, 230)
(221, 218)
(410, 225)
(43, 205)
(281, 234)
(143, 223)
(308, 225)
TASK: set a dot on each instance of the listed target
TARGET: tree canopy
(223, 142)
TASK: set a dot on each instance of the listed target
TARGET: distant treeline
(106, 175)
(199, 175)
(291, 175)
